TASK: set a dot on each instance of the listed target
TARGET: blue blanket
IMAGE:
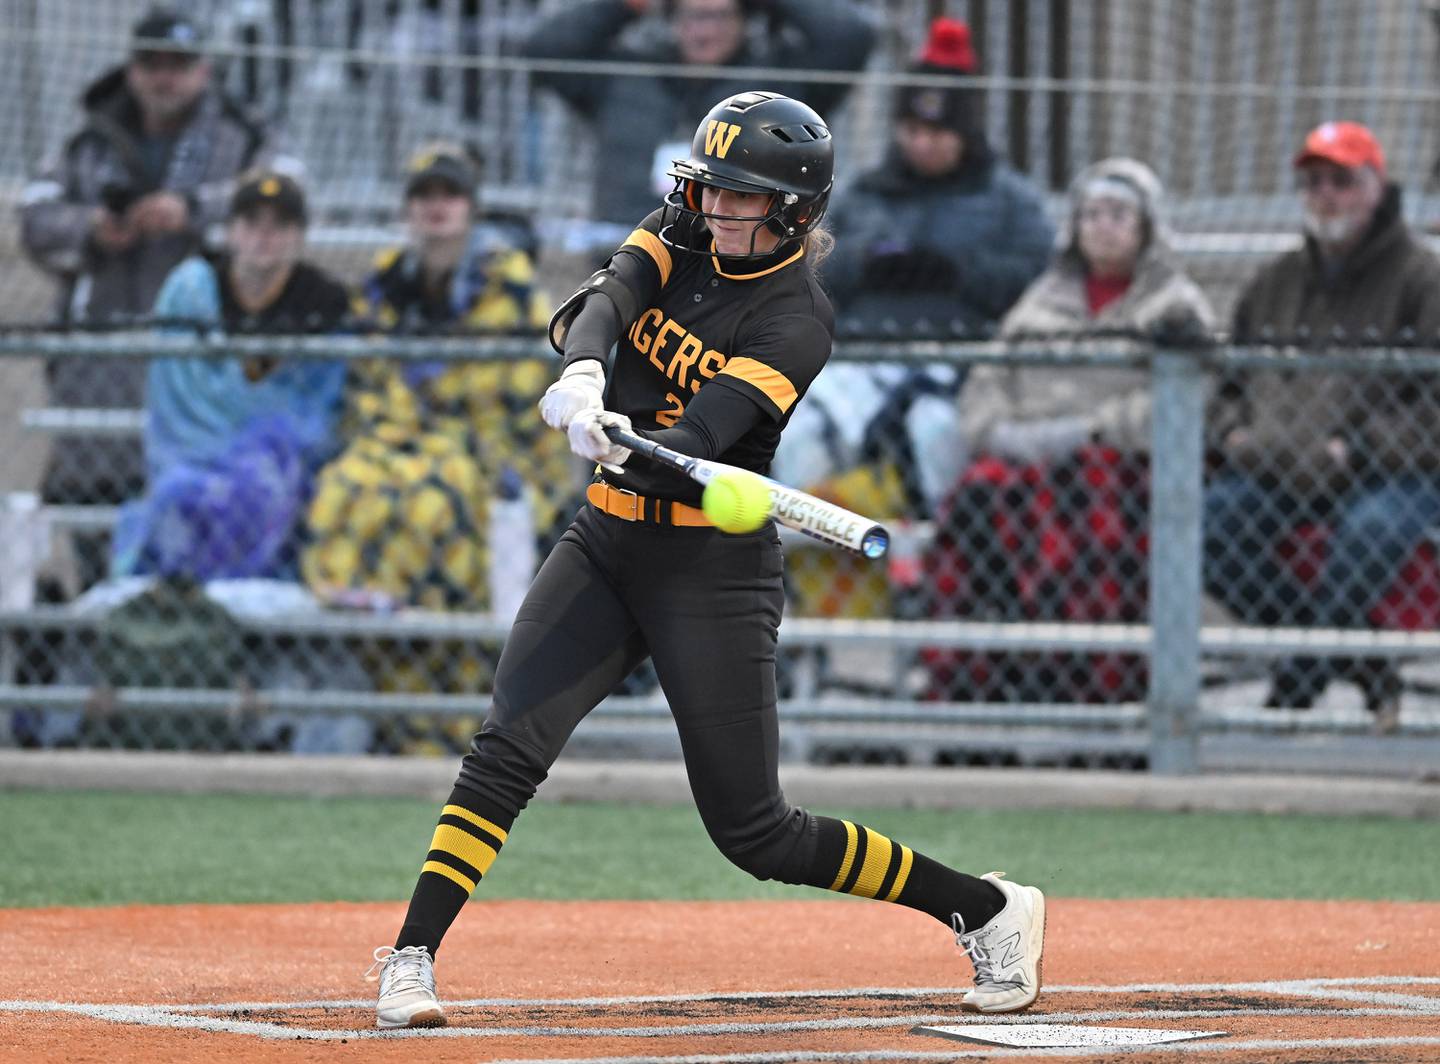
(230, 461)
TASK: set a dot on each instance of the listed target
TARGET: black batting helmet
(758, 142)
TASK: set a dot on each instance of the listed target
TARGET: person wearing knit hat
(943, 236)
(1070, 429)
(947, 51)
(939, 239)
(1114, 269)
(936, 126)
(1359, 454)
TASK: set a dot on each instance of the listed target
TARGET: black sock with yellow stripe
(469, 835)
(853, 859)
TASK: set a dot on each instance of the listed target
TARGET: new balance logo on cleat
(407, 988)
(1006, 951)
(1010, 952)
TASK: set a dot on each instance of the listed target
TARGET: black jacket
(634, 116)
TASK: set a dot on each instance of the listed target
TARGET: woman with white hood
(1048, 519)
(1115, 272)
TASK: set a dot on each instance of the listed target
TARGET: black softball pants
(706, 608)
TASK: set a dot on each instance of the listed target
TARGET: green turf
(105, 849)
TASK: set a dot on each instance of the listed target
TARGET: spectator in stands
(1358, 453)
(943, 236)
(1114, 272)
(129, 196)
(436, 453)
(232, 445)
(1049, 521)
(467, 430)
(641, 120)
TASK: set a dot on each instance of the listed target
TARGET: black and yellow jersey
(761, 327)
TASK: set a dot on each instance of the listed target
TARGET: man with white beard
(1357, 454)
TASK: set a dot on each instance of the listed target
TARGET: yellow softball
(736, 502)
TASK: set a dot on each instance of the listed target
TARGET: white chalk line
(861, 1057)
(1272, 986)
(1374, 1003)
(150, 1016)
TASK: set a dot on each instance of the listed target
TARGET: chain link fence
(1091, 610)
(1118, 551)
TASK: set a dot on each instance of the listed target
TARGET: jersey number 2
(669, 416)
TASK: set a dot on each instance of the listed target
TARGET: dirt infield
(672, 981)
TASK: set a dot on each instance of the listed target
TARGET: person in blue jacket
(232, 444)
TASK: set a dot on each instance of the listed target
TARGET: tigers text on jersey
(762, 327)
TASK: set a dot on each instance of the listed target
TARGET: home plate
(1061, 1035)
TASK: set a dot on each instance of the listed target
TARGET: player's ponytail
(818, 243)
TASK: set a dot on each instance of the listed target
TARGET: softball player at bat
(721, 327)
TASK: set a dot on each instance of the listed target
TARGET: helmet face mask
(760, 143)
(686, 199)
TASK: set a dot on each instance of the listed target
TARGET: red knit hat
(947, 51)
(949, 46)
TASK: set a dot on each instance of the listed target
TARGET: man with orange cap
(1358, 453)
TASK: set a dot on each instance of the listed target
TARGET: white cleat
(407, 988)
(1006, 951)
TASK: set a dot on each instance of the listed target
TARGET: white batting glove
(588, 439)
(580, 387)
